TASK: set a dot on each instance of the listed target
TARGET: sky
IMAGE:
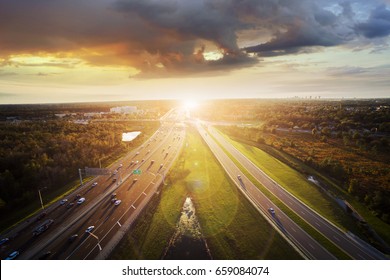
(55, 51)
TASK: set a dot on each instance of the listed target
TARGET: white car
(94, 184)
(89, 229)
(81, 200)
(63, 201)
(271, 210)
(239, 177)
(118, 202)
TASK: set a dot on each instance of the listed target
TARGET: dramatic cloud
(378, 25)
(172, 37)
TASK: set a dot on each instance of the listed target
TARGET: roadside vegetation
(296, 183)
(39, 150)
(345, 140)
(232, 227)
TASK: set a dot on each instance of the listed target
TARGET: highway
(354, 248)
(134, 180)
(288, 228)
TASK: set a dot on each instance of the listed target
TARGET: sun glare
(190, 104)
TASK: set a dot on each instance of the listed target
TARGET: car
(113, 195)
(137, 162)
(89, 229)
(114, 180)
(143, 160)
(239, 177)
(4, 240)
(271, 210)
(114, 200)
(120, 166)
(77, 197)
(161, 165)
(73, 237)
(81, 200)
(132, 162)
(13, 255)
(135, 180)
(62, 202)
(41, 216)
(137, 153)
(118, 202)
(42, 227)
(152, 161)
(70, 205)
(94, 184)
(115, 172)
(45, 255)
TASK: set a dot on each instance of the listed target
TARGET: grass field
(295, 183)
(231, 226)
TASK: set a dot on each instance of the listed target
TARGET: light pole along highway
(357, 249)
(97, 209)
(293, 233)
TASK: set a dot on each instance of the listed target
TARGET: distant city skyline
(117, 50)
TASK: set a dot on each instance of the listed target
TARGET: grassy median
(296, 183)
(232, 227)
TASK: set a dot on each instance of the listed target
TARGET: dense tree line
(348, 141)
(37, 154)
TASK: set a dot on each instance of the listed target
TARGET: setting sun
(190, 104)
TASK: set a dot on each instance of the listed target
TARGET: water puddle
(187, 242)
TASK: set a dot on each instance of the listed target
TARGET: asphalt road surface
(288, 228)
(134, 180)
(354, 248)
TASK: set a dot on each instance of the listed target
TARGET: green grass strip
(231, 226)
(326, 243)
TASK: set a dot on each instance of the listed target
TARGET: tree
(353, 186)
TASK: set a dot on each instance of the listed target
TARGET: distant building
(124, 110)
(80, 121)
(93, 114)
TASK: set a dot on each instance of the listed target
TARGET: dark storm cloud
(295, 40)
(168, 37)
(378, 24)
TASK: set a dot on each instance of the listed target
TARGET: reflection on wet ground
(188, 242)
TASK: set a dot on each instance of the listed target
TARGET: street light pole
(40, 198)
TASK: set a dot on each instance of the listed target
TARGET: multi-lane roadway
(356, 249)
(111, 203)
(91, 227)
(288, 228)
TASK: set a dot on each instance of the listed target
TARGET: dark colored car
(41, 216)
(73, 237)
(4, 240)
(45, 255)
